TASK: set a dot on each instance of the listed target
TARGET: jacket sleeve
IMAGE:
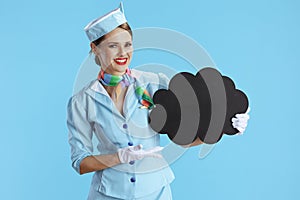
(80, 133)
(156, 82)
(163, 81)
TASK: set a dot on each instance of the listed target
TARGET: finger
(234, 125)
(240, 129)
(138, 147)
(242, 116)
(147, 152)
(140, 156)
(154, 155)
(155, 149)
(244, 119)
(234, 119)
(248, 110)
(241, 124)
(240, 133)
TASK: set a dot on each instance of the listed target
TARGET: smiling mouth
(121, 61)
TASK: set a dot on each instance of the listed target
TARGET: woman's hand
(133, 153)
(240, 121)
(124, 155)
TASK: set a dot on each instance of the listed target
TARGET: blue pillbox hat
(105, 24)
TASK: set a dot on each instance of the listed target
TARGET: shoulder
(81, 96)
(142, 74)
(147, 77)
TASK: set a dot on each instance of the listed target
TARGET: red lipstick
(121, 61)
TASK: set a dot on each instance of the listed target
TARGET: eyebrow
(113, 43)
(118, 42)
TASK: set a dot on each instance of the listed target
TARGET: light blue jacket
(97, 127)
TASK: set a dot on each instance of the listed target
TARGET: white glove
(240, 121)
(133, 153)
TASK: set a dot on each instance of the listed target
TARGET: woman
(114, 109)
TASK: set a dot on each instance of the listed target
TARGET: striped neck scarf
(124, 81)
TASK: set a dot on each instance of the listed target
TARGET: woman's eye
(112, 46)
(128, 45)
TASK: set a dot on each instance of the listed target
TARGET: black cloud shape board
(200, 105)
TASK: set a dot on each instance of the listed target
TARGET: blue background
(254, 42)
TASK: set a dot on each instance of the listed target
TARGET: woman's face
(115, 51)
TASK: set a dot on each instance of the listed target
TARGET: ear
(93, 47)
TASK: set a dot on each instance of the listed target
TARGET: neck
(110, 89)
(115, 73)
(116, 93)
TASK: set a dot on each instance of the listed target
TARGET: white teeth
(122, 61)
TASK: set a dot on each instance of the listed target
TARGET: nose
(122, 52)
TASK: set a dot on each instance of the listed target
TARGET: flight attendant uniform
(92, 116)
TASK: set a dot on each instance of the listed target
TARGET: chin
(118, 70)
(121, 68)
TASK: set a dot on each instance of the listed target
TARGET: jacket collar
(96, 86)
